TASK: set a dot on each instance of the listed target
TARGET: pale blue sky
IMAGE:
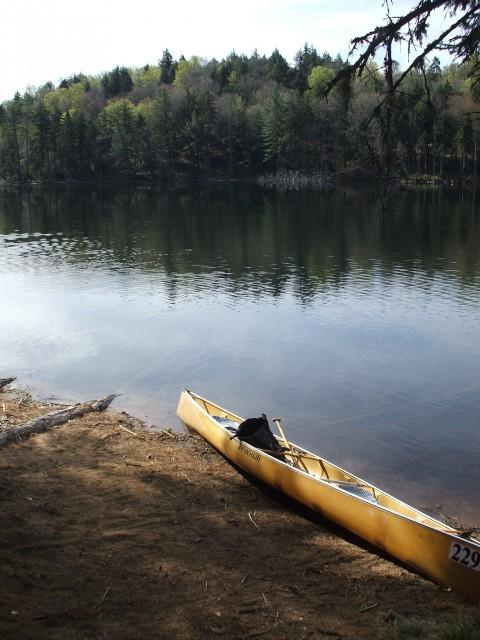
(52, 39)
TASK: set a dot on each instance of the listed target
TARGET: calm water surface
(361, 331)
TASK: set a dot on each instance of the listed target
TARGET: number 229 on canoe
(465, 555)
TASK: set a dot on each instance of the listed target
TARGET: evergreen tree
(299, 145)
(121, 123)
(198, 132)
(305, 60)
(54, 143)
(117, 82)
(40, 156)
(274, 129)
(163, 133)
(68, 147)
(465, 142)
(278, 68)
(10, 150)
(167, 68)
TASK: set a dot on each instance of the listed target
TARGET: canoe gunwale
(442, 529)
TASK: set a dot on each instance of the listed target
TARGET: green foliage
(228, 73)
(122, 125)
(197, 131)
(318, 80)
(232, 132)
(66, 83)
(305, 60)
(149, 76)
(236, 116)
(273, 129)
(162, 133)
(117, 82)
(465, 135)
(186, 71)
(278, 68)
(167, 68)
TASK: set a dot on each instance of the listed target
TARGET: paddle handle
(292, 452)
(278, 422)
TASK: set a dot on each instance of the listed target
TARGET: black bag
(256, 431)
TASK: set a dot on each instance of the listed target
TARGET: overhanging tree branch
(460, 38)
(464, 47)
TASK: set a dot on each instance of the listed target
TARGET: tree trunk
(53, 419)
(434, 151)
(475, 158)
(27, 146)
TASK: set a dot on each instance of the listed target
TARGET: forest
(241, 117)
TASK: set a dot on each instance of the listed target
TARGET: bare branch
(416, 24)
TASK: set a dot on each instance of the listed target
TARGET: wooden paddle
(284, 437)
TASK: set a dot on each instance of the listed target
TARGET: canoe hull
(420, 546)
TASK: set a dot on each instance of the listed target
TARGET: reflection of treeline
(241, 116)
(250, 238)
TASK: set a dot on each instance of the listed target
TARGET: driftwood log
(5, 381)
(53, 419)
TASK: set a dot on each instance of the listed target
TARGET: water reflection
(250, 237)
(362, 331)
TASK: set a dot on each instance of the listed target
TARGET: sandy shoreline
(109, 533)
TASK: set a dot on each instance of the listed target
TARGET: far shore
(284, 180)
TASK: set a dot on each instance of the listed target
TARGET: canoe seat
(355, 490)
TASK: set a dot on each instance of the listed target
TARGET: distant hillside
(242, 116)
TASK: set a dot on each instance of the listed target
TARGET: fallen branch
(54, 419)
(253, 521)
(166, 432)
(5, 381)
(131, 432)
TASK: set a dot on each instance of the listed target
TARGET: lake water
(361, 330)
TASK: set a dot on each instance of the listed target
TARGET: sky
(47, 40)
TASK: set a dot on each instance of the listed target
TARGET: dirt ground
(110, 535)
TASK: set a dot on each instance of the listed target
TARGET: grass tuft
(405, 627)
(461, 631)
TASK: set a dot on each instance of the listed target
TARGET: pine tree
(273, 129)
(163, 133)
(40, 155)
(167, 68)
(278, 68)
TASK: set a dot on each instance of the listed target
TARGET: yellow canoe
(448, 556)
